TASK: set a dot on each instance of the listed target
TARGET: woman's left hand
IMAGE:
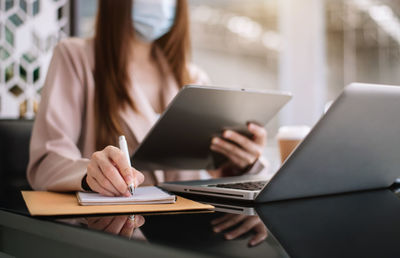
(243, 224)
(247, 151)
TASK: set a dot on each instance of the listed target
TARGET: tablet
(181, 137)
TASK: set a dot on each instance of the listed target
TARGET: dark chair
(14, 153)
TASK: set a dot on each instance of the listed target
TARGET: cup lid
(294, 132)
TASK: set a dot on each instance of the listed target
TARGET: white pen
(123, 146)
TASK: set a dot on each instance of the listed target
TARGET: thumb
(138, 177)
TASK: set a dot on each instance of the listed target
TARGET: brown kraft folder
(42, 203)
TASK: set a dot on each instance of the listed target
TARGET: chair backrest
(14, 152)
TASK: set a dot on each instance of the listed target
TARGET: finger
(221, 219)
(95, 171)
(233, 158)
(120, 159)
(93, 220)
(112, 174)
(236, 160)
(128, 228)
(116, 225)
(258, 237)
(260, 134)
(139, 220)
(100, 224)
(131, 224)
(95, 186)
(247, 144)
(138, 177)
(235, 150)
(229, 223)
(242, 229)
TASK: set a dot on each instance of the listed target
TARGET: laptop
(353, 147)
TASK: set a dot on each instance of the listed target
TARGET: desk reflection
(215, 233)
(238, 225)
(231, 226)
(362, 224)
(127, 226)
(117, 225)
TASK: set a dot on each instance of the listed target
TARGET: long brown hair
(112, 42)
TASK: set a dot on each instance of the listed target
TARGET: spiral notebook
(143, 195)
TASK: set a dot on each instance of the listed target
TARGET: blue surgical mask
(152, 19)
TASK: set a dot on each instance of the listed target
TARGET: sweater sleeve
(56, 162)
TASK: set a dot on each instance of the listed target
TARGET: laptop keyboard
(250, 186)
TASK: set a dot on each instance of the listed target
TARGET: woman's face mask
(152, 19)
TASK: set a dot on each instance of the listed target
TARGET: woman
(114, 84)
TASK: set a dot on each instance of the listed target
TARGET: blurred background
(312, 48)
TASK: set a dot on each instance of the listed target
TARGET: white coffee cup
(289, 137)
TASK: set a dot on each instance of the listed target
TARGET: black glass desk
(364, 224)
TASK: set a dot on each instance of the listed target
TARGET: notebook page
(146, 194)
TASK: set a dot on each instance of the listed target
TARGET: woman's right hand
(118, 225)
(109, 173)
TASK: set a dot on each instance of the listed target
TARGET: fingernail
(216, 230)
(215, 141)
(227, 134)
(228, 236)
(253, 243)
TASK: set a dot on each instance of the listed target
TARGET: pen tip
(131, 189)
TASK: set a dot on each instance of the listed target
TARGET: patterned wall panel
(29, 30)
